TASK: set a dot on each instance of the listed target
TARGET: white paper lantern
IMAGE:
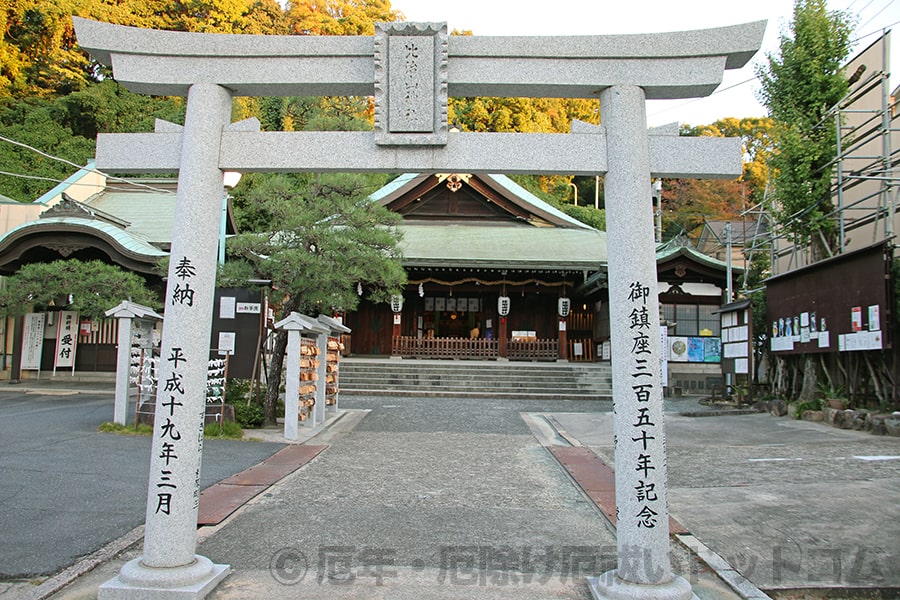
(503, 305)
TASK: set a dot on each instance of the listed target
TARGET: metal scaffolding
(866, 182)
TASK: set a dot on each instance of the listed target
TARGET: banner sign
(66, 340)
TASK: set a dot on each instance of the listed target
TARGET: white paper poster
(678, 349)
(32, 341)
(227, 306)
(248, 308)
(874, 319)
(664, 354)
(227, 340)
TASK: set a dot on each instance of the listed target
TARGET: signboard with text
(836, 305)
(32, 341)
(236, 329)
(66, 340)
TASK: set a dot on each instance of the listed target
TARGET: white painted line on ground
(877, 457)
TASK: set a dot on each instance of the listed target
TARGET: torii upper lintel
(682, 64)
(411, 131)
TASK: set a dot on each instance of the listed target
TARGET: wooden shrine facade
(468, 242)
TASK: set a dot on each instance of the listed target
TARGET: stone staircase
(475, 379)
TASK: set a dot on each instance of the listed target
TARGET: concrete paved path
(67, 489)
(459, 498)
(790, 505)
(420, 498)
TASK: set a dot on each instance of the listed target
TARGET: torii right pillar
(642, 515)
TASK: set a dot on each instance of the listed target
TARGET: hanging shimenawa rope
(486, 282)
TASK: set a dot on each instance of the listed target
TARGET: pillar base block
(137, 581)
(610, 587)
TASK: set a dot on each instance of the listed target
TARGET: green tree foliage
(321, 114)
(107, 107)
(799, 85)
(756, 135)
(54, 100)
(38, 123)
(587, 215)
(523, 115)
(555, 191)
(38, 49)
(688, 203)
(94, 287)
(66, 127)
(39, 54)
(323, 239)
(339, 17)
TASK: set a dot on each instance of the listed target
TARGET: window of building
(691, 319)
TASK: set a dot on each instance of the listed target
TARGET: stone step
(476, 379)
(392, 382)
(475, 375)
(435, 393)
(475, 372)
(471, 386)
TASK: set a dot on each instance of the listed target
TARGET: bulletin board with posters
(842, 304)
(694, 349)
(236, 328)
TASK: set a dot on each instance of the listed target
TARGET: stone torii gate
(411, 69)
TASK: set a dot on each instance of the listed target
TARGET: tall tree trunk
(778, 383)
(810, 386)
(877, 382)
(276, 369)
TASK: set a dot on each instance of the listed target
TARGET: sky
(736, 97)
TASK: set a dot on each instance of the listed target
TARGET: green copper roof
(679, 246)
(128, 242)
(149, 214)
(502, 246)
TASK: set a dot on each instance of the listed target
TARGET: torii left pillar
(169, 567)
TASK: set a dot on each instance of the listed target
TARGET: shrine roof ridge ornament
(666, 65)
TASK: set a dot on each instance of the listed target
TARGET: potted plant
(834, 396)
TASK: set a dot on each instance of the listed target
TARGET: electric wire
(856, 40)
(75, 165)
